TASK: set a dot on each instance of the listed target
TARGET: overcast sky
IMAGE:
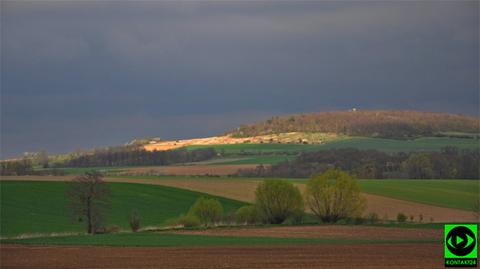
(83, 74)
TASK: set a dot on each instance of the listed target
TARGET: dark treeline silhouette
(25, 167)
(112, 156)
(16, 167)
(449, 163)
(131, 157)
(397, 124)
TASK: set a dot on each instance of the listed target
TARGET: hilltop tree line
(113, 156)
(449, 163)
(370, 123)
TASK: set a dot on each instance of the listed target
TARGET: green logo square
(460, 241)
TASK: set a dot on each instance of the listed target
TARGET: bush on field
(108, 229)
(187, 221)
(373, 218)
(134, 221)
(401, 218)
(246, 215)
(278, 200)
(334, 195)
(208, 210)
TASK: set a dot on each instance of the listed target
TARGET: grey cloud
(76, 61)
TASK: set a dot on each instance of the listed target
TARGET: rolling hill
(368, 123)
(40, 207)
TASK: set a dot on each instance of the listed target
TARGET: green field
(40, 207)
(81, 170)
(257, 149)
(458, 194)
(387, 145)
(268, 159)
(177, 240)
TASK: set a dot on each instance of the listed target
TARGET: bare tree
(88, 198)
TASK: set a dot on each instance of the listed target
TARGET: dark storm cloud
(78, 74)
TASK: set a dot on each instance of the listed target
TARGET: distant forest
(449, 163)
(399, 124)
(113, 156)
(136, 157)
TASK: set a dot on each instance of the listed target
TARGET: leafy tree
(207, 210)
(278, 200)
(88, 198)
(334, 195)
(41, 158)
(419, 166)
(402, 218)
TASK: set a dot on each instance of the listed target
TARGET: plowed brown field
(407, 256)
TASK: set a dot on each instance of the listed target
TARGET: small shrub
(373, 218)
(108, 229)
(208, 210)
(358, 220)
(412, 217)
(420, 218)
(246, 215)
(401, 218)
(188, 220)
(134, 221)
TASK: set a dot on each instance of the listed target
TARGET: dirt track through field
(327, 231)
(391, 256)
(244, 190)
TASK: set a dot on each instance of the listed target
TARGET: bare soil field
(244, 190)
(408, 256)
(327, 231)
(292, 137)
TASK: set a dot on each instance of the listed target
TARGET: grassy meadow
(40, 207)
(458, 194)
